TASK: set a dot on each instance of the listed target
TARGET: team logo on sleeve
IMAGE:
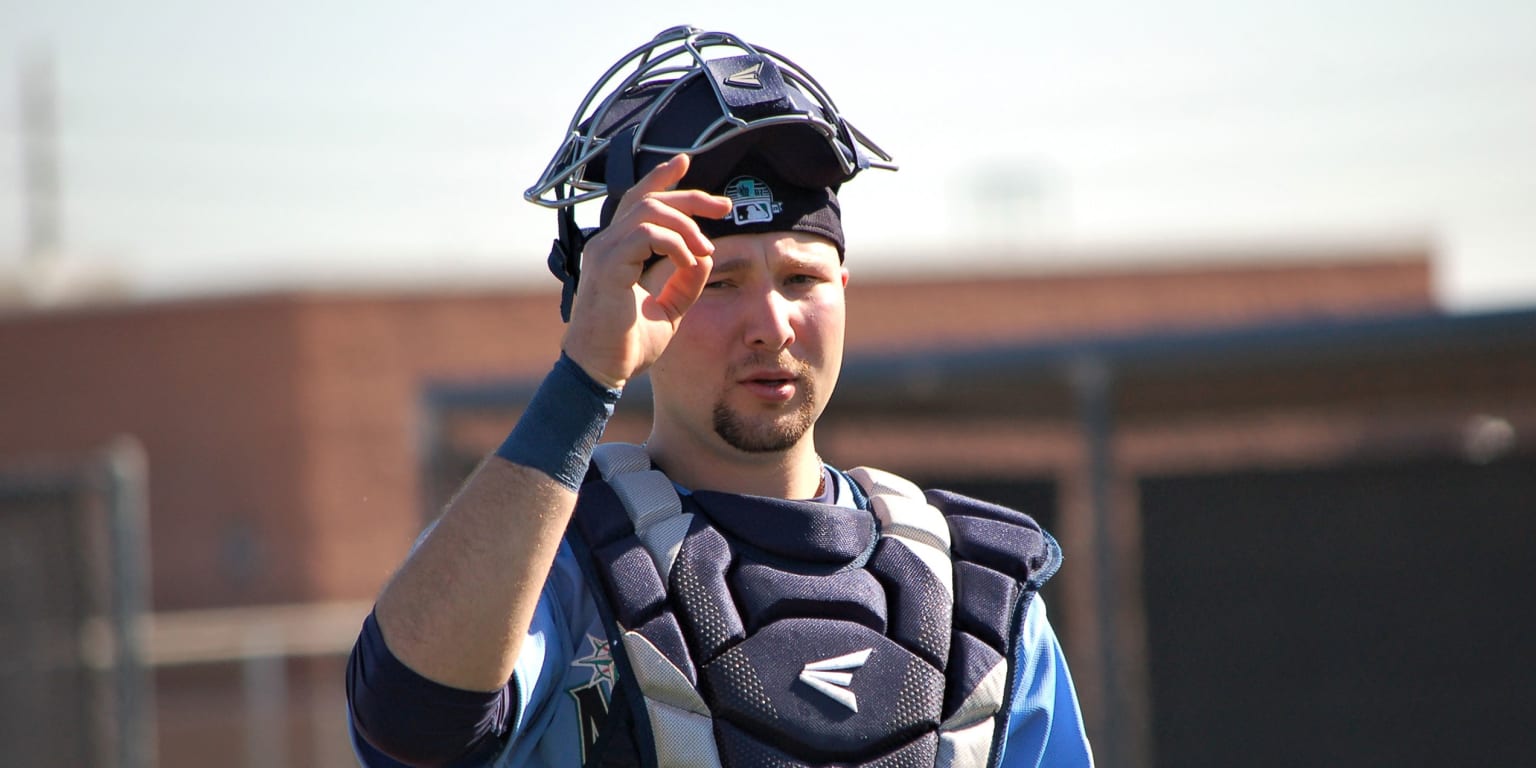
(754, 203)
(592, 697)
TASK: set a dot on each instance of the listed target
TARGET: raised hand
(618, 325)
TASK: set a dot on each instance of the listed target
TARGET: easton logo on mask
(754, 203)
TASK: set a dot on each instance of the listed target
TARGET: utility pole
(40, 160)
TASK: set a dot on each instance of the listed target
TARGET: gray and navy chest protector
(751, 631)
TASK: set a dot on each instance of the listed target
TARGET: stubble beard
(771, 433)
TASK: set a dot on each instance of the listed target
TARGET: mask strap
(618, 171)
(565, 254)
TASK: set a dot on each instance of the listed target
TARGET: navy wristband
(562, 424)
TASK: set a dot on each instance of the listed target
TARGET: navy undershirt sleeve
(416, 721)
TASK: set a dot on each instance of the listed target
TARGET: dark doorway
(1367, 615)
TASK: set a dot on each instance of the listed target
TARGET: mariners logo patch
(592, 698)
(754, 203)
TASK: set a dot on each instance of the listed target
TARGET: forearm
(458, 609)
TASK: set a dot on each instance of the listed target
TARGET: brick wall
(283, 431)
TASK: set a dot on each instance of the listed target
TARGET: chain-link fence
(73, 588)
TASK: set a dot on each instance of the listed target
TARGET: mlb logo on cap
(754, 201)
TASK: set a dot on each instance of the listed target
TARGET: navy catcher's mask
(709, 94)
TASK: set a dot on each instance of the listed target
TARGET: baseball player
(717, 596)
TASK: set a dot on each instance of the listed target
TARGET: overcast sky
(217, 146)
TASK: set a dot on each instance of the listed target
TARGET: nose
(770, 325)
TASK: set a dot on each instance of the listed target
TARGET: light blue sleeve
(536, 734)
(1045, 724)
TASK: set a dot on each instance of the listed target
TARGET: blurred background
(1239, 300)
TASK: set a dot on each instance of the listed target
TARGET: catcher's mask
(712, 95)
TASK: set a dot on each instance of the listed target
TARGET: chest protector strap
(776, 633)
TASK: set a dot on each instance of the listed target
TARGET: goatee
(771, 433)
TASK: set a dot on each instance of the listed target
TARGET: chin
(765, 434)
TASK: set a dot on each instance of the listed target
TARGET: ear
(844, 272)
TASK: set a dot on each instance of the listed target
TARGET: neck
(791, 474)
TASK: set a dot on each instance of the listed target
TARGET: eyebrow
(730, 266)
(742, 263)
(804, 264)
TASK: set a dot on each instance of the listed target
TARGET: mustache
(798, 367)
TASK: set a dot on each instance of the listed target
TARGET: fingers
(652, 217)
(661, 178)
(683, 288)
(659, 184)
(664, 178)
(664, 222)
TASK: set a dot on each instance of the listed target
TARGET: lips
(776, 385)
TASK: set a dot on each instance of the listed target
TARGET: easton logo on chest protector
(753, 201)
(828, 676)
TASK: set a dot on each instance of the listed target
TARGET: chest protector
(752, 631)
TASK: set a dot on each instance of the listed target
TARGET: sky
(213, 146)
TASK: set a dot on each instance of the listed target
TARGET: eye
(804, 279)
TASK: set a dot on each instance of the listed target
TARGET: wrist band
(562, 424)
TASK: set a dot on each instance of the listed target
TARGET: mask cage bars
(563, 185)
